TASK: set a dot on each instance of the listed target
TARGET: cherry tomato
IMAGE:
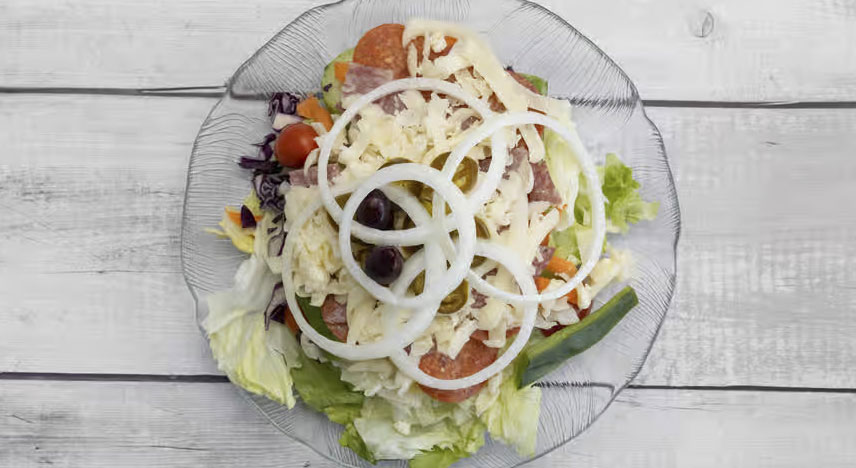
(294, 143)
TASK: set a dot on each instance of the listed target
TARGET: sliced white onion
(462, 215)
(417, 235)
(595, 195)
(390, 343)
(527, 285)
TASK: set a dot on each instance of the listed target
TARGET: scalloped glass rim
(610, 117)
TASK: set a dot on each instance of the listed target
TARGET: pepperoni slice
(482, 335)
(419, 44)
(381, 47)
(474, 356)
(335, 316)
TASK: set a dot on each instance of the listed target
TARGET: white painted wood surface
(722, 50)
(91, 188)
(110, 424)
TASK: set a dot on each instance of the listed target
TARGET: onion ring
(527, 285)
(461, 213)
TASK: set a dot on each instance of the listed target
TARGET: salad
(426, 235)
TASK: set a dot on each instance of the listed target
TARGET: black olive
(383, 264)
(375, 211)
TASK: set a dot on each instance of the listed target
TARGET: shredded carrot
(541, 283)
(310, 108)
(340, 70)
(234, 215)
(560, 265)
(450, 41)
(572, 297)
(546, 240)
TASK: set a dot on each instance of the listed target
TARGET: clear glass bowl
(610, 117)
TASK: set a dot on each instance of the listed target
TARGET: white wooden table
(102, 365)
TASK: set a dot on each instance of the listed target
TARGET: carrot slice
(234, 215)
(541, 283)
(310, 108)
(340, 70)
(560, 265)
(572, 297)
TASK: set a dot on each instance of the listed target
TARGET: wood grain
(722, 50)
(109, 424)
(92, 284)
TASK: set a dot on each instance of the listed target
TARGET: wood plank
(723, 50)
(90, 245)
(91, 277)
(118, 424)
(765, 287)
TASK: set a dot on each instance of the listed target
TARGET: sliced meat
(517, 155)
(479, 299)
(419, 43)
(381, 47)
(543, 188)
(545, 253)
(361, 79)
(482, 335)
(335, 316)
(474, 356)
(299, 178)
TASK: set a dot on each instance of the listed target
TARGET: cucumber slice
(546, 355)
(331, 88)
(313, 316)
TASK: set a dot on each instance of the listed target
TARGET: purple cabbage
(276, 307)
(248, 220)
(267, 190)
(285, 103)
(258, 165)
(276, 241)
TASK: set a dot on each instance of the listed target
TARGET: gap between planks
(213, 378)
(218, 91)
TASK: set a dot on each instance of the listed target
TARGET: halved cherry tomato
(294, 144)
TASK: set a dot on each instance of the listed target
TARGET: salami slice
(335, 316)
(474, 356)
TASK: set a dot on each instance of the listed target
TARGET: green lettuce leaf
(622, 191)
(562, 165)
(351, 439)
(513, 418)
(321, 388)
(387, 439)
(438, 458)
(242, 353)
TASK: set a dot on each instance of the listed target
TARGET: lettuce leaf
(387, 440)
(513, 418)
(622, 191)
(321, 388)
(242, 353)
(563, 166)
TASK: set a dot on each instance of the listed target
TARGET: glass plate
(531, 39)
